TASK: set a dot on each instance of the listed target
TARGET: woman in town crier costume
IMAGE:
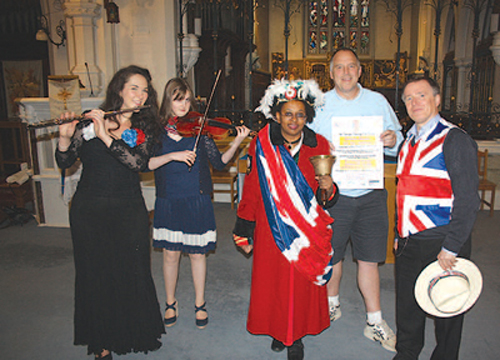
(280, 218)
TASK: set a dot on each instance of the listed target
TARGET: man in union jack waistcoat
(437, 201)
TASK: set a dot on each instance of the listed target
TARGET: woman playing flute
(116, 308)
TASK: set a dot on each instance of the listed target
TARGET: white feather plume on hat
(287, 90)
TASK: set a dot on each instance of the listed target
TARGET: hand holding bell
(323, 167)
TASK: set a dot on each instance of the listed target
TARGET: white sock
(334, 300)
(374, 318)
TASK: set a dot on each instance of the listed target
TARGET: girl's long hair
(147, 119)
(175, 89)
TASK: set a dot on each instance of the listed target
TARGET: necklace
(289, 144)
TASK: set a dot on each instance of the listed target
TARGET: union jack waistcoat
(424, 194)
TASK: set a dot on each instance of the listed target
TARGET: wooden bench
(484, 183)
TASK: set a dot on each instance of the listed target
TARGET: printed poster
(359, 152)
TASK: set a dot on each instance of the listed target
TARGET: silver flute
(107, 114)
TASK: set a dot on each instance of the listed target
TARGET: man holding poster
(361, 126)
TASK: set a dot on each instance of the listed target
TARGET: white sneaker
(335, 312)
(383, 334)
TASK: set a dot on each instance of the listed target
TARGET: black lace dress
(116, 307)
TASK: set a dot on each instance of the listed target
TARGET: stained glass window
(365, 11)
(364, 42)
(339, 9)
(353, 43)
(324, 12)
(338, 39)
(354, 13)
(323, 42)
(313, 41)
(313, 14)
(331, 21)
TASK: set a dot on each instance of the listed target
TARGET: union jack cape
(424, 192)
(300, 226)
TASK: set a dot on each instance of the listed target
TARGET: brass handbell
(322, 166)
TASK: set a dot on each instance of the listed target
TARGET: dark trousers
(412, 257)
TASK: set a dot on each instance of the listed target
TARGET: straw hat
(448, 293)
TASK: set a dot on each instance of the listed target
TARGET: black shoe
(173, 319)
(296, 350)
(105, 357)
(277, 346)
(201, 324)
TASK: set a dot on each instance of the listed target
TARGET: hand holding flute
(68, 127)
(67, 124)
(66, 130)
(100, 129)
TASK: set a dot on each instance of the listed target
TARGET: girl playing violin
(184, 218)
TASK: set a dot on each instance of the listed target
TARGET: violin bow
(203, 120)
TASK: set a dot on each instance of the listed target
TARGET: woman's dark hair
(310, 112)
(176, 89)
(146, 119)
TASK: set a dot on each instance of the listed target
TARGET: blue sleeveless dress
(184, 217)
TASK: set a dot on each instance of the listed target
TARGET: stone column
(495, 47)
(463, 83)
(81, 15)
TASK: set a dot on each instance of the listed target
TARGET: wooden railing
(14, 148)
(14, 151)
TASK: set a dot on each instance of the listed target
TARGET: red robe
(283, 303)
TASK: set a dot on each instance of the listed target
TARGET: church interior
(251, 42)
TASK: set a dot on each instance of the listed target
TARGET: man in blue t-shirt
(360, 214)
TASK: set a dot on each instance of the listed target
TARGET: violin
(217, 128)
